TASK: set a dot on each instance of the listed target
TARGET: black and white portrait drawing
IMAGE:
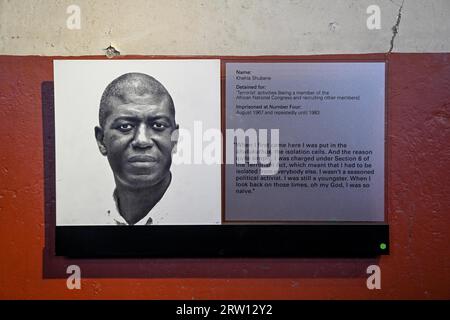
(117, 131)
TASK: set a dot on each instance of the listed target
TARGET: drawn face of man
(136, 138)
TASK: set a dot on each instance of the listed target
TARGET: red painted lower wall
(418, 206)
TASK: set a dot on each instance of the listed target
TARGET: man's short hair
(130, 85)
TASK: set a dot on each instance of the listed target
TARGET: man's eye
(125, 127)
(159, 126)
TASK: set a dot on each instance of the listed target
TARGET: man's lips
(142, 158)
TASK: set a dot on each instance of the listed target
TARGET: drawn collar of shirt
(154, 216)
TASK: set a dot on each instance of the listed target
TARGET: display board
(214, 156)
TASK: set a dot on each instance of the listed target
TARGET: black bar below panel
(299, 240)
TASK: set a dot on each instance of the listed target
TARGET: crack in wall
(396, 26)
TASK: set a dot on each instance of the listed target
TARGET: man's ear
(99, 138)
(174, 138)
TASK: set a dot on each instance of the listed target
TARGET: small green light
(382, 246)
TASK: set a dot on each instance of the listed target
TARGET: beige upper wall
(220, 27)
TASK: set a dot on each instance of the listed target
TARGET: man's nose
(143, 137)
